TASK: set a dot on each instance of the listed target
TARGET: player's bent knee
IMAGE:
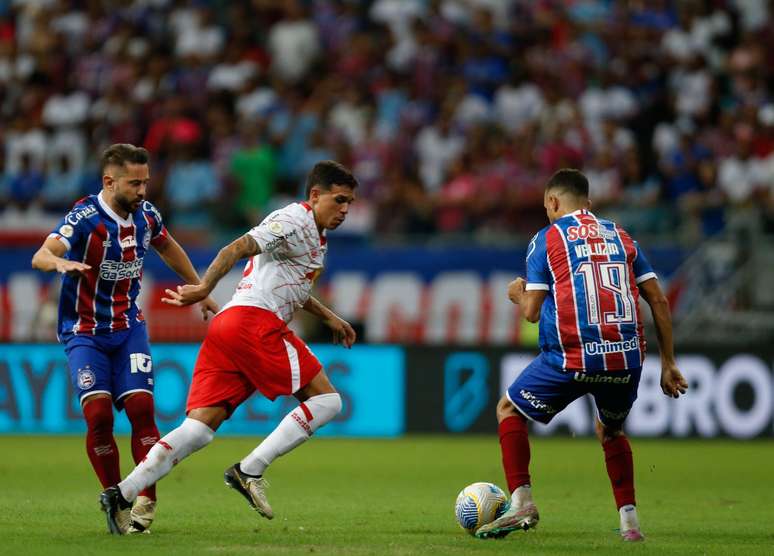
(323, 407)
(606, 433)
(199, 434)
(505, 409)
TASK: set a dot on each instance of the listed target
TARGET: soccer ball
(479, 504)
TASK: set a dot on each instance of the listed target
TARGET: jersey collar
(111, 213)
(307, 206)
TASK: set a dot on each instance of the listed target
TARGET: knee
(323, 407)
(98, 413)
(139, 409)
(505, 409)
(605, 433)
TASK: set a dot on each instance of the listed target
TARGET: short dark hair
(569, 180)
(123, 153)
(328, 173)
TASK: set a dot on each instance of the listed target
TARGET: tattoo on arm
(240, 248)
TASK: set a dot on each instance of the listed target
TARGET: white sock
(522, 496)
(629, 519)
(180, 443)
(294, 429)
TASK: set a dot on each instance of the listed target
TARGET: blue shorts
(542, 390)
(117, 364)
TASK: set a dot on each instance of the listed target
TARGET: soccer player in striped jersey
(584, 279)
(99, 247)
(249, 346)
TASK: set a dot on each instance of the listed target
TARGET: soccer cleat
(524, 518)
(117, 511)
(632, 535)
(143, 512)
(252, 488)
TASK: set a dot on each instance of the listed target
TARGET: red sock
(620, 469)
(139, 410)
(514, 444)
(100, 444)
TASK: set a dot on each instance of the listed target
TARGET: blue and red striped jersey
(590, 319)
(103, 300)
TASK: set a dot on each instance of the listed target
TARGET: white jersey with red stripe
(590, 269)
(280, 278)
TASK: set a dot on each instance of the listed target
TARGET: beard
(126, 204)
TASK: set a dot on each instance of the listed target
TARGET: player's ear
(107, 181)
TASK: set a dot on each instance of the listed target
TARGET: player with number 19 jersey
(592, 267)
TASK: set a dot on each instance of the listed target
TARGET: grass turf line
(353, 497)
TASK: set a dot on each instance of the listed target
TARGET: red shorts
(247, 348)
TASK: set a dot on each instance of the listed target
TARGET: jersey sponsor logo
(589, 249)
(275, 242)
(592, 230)
(128, 242)
(536, 403)
(598, 348)
(77, 215)
(614, 415)
(140, 363)
(66, 230)
(120, 270)
(608, 378)
(86, 378)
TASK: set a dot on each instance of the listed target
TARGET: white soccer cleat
(514, 519)
(252, 488)
(143, 513)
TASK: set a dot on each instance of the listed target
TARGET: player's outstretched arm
(227, 257)
(672, 381)
(343, 333)
(50, 257)
(175, 257)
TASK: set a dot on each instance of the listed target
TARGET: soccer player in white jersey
(249, 346)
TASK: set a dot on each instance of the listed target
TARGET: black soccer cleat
(117, 510)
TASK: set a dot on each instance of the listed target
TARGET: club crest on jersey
(86, 378)
(128, 242)
(66, 230)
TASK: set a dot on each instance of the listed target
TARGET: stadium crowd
(452, 113)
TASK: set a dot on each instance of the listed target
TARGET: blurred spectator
(25, 184)
(63, 186)
(294, 43)
(254, 168)
(191, 186)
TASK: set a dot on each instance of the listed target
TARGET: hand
(208, 306)
(672, 381)
(516, 290)
(71, 268)
(343, 333)
(185, 295)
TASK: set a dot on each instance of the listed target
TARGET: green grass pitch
(352, 497)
